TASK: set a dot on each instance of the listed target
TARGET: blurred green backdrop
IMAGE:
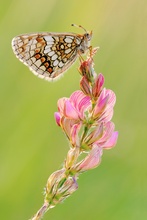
(32, 146)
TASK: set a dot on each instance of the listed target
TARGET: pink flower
(73, 108)
(94, 111)
(94, 135)
(76, 107)
(103, 110)
(109, 138)
(106, 141)
(91, 161)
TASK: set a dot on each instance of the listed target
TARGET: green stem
(86, 128)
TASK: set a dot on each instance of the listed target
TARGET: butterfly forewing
(48, 55)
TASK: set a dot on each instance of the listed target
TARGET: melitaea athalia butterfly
(49, 55)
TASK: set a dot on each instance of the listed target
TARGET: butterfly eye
(88, 36)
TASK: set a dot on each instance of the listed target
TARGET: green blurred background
(32, 146)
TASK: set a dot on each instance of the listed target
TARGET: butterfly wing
(47, 55)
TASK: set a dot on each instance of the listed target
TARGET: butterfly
(49, 55)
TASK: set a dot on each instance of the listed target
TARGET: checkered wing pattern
(48, 55)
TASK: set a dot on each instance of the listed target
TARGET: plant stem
(41, 211)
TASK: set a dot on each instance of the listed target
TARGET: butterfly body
(48, 55)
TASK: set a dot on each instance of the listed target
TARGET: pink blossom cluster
(85, 118)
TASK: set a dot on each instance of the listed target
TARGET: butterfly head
(87, 36)
(85, 42)
(85, 39)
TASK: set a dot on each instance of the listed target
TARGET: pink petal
(76, 97)
(112, 97)
(108, 111)
(95, 135)
(79, 99)
(108, 131)
(81, 102)
(74, 134)
(66, 125)
(98, 85)
(61, 103)
(70, 111)
(84, 103)
(57, 117)
(100, 106)
(106, 116)
(112, 141)
(92, 160)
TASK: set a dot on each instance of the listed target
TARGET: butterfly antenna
(79, 26)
